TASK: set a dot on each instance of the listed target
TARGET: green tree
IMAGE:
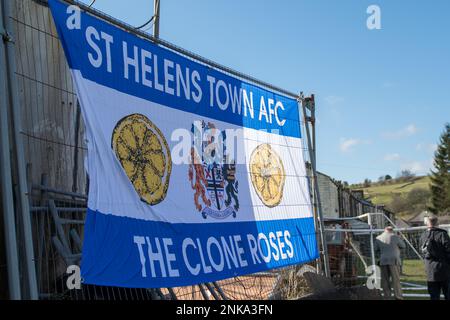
(418, 200)
(405, 175)
(398, 204)
(440, 176)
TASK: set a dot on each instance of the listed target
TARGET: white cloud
(407, 131)
(392, 157)
(418, 167)
(346, 144)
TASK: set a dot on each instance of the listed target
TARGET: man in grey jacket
(389, 245)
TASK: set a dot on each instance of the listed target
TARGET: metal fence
(339, 201)
(51, 131)
(353, 252)
(58, 219)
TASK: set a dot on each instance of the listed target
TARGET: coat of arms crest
(211, 176)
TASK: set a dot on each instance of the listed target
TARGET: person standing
(436, 253)
(389, 245)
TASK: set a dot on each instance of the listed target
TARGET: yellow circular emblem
(144, 155)
(267, 174)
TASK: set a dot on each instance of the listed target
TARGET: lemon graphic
(144, 155)
(267, 174)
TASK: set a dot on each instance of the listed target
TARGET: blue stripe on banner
(122, 61)
(126, 252)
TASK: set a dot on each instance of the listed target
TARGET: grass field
(414, 272)
(383, 194)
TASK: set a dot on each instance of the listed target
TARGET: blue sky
(383, 96)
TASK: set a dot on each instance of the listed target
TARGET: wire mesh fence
(52, 126)
(353, 252)
(58, 220)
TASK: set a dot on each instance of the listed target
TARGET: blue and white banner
(195, 176)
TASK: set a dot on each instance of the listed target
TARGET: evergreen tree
(440, 176)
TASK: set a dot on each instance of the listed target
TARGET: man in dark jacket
(436, 251)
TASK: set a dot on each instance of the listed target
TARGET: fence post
(317, 204)
(12, 259)
(372, 247)
(22, 197)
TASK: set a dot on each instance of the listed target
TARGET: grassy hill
(383, 194)
(389, 192)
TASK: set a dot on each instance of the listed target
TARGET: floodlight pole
(156, 5)
(315, 187)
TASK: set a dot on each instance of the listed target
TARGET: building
(419, 219)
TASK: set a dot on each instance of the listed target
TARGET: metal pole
(313, 123)
(156, 4)
(312, 110)
(22, 196)
(361, 231)
(203, 292)
(319, 265)
(326, 264)
(12, 259)
(219, 289)
(211, 289)
(372, 248)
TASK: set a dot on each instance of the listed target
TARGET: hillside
(397, 195)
